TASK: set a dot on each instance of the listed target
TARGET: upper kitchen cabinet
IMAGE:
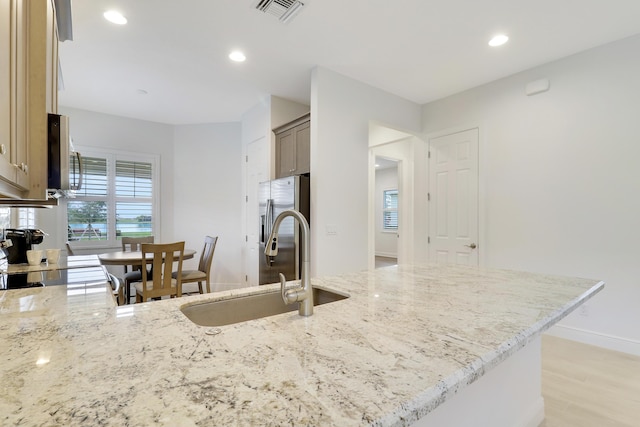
(293, 147)
(7, 48)
(29, 90)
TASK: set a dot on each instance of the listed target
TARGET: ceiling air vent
(284, 10)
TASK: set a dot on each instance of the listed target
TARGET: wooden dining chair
(203, 273)
(132, 244)
(69, 249)
(161, 283)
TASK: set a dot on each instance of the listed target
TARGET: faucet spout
(303, 294)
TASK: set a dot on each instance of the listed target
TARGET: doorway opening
(404, 153)
(387, 211)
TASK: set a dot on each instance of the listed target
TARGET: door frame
(482, 237)
(406, 205)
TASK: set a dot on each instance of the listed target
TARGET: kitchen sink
(249, 307)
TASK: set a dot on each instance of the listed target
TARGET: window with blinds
(116, 198)
(134, 198)
(390, 210)
(88, 213)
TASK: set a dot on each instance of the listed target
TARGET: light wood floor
(587, 386)
(383, 261)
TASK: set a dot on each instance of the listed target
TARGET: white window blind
(134, 179)
(390, 210)
(95, 183)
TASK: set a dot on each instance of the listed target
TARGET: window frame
(112, 199)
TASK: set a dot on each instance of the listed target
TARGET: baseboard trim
(610, 342)
(387, 254)
(535, 416)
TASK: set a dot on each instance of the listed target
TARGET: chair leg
(208, 287)
(200, 287)
(127, 292)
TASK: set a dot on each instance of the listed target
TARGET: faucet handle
(289, 296)
(283, 282)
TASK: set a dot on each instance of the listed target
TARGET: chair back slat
(207, 254)
(162, 266)
(133, 243)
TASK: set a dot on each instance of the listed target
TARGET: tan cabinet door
(303, 142)
(285, 154)
(293, 150)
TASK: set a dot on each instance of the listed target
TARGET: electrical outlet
(331, 229)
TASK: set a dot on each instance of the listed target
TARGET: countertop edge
(427, 401)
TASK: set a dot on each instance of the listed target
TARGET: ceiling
(385, 163)
(421, 50)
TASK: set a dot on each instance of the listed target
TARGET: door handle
(472, 246)
(269, 218)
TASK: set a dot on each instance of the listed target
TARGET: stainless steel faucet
(303, 294)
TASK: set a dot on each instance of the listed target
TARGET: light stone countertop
(408, 338)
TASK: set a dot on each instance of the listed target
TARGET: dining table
(134, 258)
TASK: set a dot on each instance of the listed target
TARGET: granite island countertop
(407, 339)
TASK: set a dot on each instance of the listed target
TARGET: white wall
(91, 129)
(341, 110)
(561, 177)
(256, 126)
(386, 241)
(208, 195)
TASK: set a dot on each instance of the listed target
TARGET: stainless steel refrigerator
(274, 197)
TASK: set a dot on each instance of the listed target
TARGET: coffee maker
(21, 240)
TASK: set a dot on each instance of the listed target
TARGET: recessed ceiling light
(498, 40)
(237, 56)
(115, 17)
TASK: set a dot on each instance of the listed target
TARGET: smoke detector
(284, 10)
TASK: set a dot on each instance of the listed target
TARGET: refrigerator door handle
(269, 219)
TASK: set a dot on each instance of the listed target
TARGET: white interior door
(453, 198)
(257, 171)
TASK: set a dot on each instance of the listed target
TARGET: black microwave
(64, 164)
